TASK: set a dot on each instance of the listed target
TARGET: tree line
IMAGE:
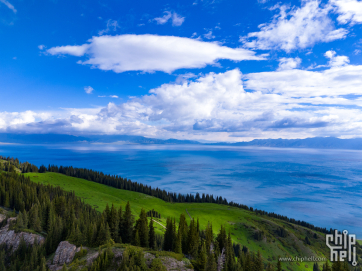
(126, 184)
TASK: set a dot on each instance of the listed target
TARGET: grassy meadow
(243, 225)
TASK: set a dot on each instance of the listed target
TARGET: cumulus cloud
(289, 63)
(176, 19)
(336, 61)
(10, 6)
(296, 28)
(88, 89)
(151, 53)
(287, 103)
(339, 79)
(350, 11)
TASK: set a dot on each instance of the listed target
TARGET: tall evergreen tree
(183, 231)
(127, 226)
(113, 222)
(142, 227)
(152, 237)
(193, 239)
(201, 259)
(168, 237)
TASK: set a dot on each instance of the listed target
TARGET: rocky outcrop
(2, 218)
(12, 239)
(65, 253)
(172, 264)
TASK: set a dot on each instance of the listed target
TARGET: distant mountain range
(315, 142)
(59, 138)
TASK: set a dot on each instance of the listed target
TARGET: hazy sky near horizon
(203, 69)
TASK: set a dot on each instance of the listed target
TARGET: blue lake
(322, 187)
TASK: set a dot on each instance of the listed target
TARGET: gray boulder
(65, 253)
(12, 239)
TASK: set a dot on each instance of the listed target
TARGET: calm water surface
(322, 187)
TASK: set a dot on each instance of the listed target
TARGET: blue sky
(205, 70)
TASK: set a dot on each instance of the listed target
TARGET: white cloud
(289, 63)
(41, 47)
(297, 28)
(339, 79)
(209, 35)
(112, 25)
(176, 19)
(109, 96)
(289, 103)
(151, 53)
(10, 6)
(350, 11)
(73, 50)
(336, 61)
(88, 89)
(164, 19)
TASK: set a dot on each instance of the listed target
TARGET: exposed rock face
(2, 217)
(12, 239)
(64, 253)
(173, 264)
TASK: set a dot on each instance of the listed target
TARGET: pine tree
(114, 224)
(193, 239)
(107, 212)
(20, 221)
(178, 243)
(142, 227)
(103, 234)
(152, 237)
(258, 263)
(201, 259)
(25, 219)
(209, 237)
(279, 266)
(127, 226)
(34, 221)
(222, 238)
(120, 225)
(230, 255)
(183, 230)
(136, 239)
(168, 241)
(210, 262)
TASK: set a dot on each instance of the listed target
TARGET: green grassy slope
(242, 224)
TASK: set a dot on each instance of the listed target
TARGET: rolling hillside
(271, 236)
